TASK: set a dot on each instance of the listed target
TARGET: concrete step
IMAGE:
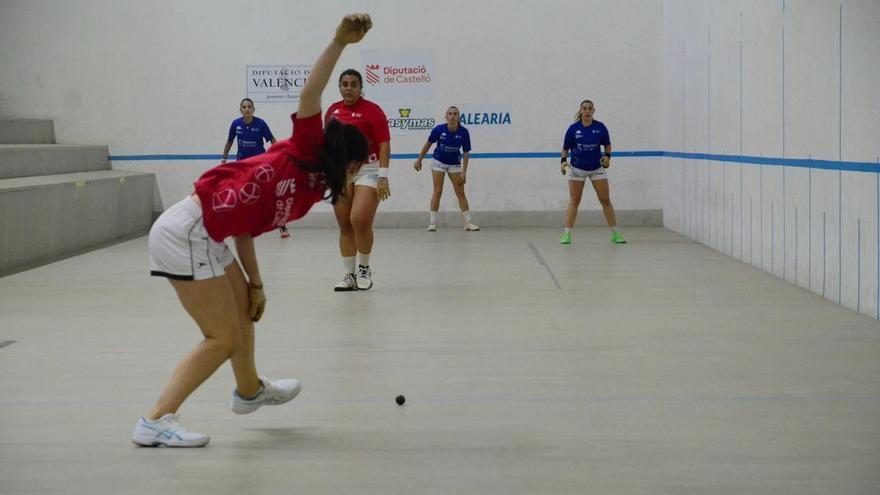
(47, 218)
(25, 160)
(27, 131)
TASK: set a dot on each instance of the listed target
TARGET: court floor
(659, 366)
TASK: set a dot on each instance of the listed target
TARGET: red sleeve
(379, 124)
(308, 138)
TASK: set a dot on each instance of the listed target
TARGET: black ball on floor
(400, 400)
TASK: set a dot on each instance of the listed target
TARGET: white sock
(433, 217)
(348, 264)
(467, 216)
(613, 229)
(363, 259)
(566, 230)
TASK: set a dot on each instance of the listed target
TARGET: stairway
(60, 200)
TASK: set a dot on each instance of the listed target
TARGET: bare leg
(212, 305)
(459, 192)
(575, 192)
(363, 211)
(604, 195)
(342, 209)
(437, 177)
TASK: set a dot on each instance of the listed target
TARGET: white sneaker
(348, 284)
(471, 227)
(166, 431)
(364, 282)
(432, 227)
(271, 394)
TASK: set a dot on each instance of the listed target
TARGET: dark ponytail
(343, 144)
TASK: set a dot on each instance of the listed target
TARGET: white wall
(165, 77)
(805, 88)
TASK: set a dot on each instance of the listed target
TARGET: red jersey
(368, 118)
(265, 191)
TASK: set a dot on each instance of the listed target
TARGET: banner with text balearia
(486, 119)
(410, 118)
(398, 75)
(276, 83)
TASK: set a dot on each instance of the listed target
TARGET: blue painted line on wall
(807, 163)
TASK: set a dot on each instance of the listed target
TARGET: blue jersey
(584, 144)
(449, 143)
(250, 137)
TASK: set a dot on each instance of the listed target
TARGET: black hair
(352, 72)
(244, 100)
(343, 144)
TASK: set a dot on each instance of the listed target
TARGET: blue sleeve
(435, 133)
(231, 137)
(606, 139)
(568, 142)
(267, 133)
(466, 142)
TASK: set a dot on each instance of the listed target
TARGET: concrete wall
(165, 77)
(791, 87)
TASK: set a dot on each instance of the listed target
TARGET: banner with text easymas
(398, 75)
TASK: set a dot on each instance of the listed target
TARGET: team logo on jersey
(264, 173)
(223, 200)
(285, 186)
(249, 193)
(577, 134)
(372, 73)
(596, 131)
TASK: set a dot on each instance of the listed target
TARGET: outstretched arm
(351, 30)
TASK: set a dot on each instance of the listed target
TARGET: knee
(361, 222)
(605, 200)
(227, 345)
(345, 226)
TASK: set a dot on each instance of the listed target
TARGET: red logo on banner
(264, 173)
(249, 193)
(223, 200)
(373, 74)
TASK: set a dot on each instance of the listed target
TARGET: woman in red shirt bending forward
(243, 200)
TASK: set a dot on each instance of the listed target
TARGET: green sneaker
(566, 238)
(616, 238)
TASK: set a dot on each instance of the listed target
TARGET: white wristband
(383, 172)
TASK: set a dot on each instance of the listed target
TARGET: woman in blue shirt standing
(251, 133)
(584, 138)
(450, 157)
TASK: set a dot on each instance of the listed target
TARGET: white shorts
(180, 247)
(438, 166)
(580, 175)
(368, 175)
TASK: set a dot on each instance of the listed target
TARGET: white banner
(276, 83)
(398, 75)
(407, 118)
(486, 118)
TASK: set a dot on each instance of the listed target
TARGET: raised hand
(353, 28)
